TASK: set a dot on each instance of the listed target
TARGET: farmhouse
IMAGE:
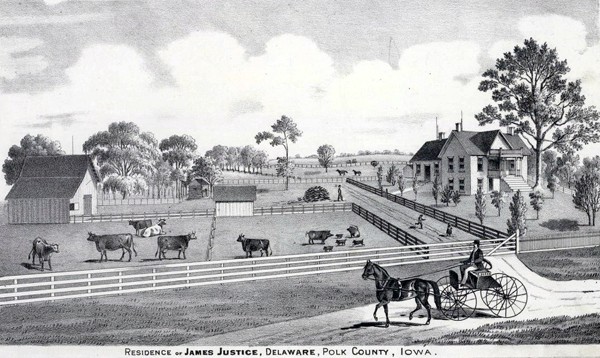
(51, 188)
(197, 189)
(234, 200)
(467, 160)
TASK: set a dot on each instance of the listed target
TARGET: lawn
(76, 253)
(183, 315)
(562, 265)
(287, 233)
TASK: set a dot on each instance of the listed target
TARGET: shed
(198, 189)
(52, 188)
(234, 200)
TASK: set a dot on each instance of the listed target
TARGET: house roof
(52, 176)
(234, 193)
(429, 151)
(198, 182)
(480, 143)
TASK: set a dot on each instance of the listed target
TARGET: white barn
(234, 200)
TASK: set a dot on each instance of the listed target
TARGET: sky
(354, 74)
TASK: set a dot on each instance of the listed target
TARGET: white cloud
(12, 61)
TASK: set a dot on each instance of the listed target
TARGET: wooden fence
(390, 229)
(271, 210)
(473, 228)
(117, 281)
(211, 238)
(138, 201)
(559, 241)
(343, 164)
(297, 180)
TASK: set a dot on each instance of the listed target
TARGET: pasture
(76, 253)
(564, 265)
(286, 233)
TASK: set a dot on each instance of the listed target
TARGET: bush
(316, 193)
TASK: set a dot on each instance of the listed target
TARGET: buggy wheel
(443, 282)
(508, 299)
(457, 305)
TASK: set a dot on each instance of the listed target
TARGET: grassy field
(287, 233)
(553, 330)
(76, 253)
(180, 316)
(561, 265)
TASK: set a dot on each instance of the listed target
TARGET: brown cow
(43, 251)
(113, 242)
(179, 242)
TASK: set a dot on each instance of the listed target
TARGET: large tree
(326, 153)
(123, 150)
(567, 163)
(29, 146)
(178, 151)
(206, 169)
(219, 154)
(289, 133)
(260, 160)
(532, 93)
(586, 196)
(246, 155)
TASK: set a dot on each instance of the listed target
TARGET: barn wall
(38, 211)
(235, 208)
(87, 187)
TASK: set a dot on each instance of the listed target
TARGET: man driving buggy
(474, 262)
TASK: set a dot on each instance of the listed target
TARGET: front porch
(507, 162)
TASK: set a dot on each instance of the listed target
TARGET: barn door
(87, 205)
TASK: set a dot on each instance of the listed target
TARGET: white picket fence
(92, 283)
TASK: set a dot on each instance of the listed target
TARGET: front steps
(517, 183)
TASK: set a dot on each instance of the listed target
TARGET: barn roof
(480, 143)
(234, 193)
(52, 176)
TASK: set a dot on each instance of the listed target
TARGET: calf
(139, 225)
(111, 243)
(327, 248)
(353, 230)
(43, 251)
(318, 235)
(249, 245)
(358, 242)
(179, 242)
(37, 241)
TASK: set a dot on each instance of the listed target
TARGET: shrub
(316, 193)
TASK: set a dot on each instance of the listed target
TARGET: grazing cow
(179, 242)
(341, 172)
(318, 235)
(358, 242)
(249, 245)
(139, 225)
(112, 243)
(155, 229)
(43, 251)
(357, 172)
(353, 230)
(327, 248)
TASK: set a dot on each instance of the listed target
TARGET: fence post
(15, 282)
(517, 242)
(153, 278)
(187, 274)
(52, 286)
(89, 276)
(120, 281)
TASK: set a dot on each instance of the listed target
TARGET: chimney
(441, 135)
(510, 130)
(457, 127)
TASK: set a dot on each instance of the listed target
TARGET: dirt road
(356, 326)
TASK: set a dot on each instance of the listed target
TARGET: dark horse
(390, 289)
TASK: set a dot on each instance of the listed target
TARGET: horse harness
(399, 290)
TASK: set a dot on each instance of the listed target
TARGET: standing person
(420, 220)
(340, 196)
(449, 231)
(475, 262)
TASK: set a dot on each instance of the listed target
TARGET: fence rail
(343, 164)
(559, 241)
(304, 209)
(390, 229)
(471, 227)
(91, 283)
(297, 180)
(138, 201)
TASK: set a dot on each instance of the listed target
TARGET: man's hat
(476, 242)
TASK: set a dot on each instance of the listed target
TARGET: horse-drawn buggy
(504, 296)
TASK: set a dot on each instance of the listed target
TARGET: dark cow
(43, 251)
(179, 243)
(358, 242)
(112, 243)
(353, 230)
(357, 172)
(139, 225)
(318, 235)
(327, 248)
(341, 172)
(249, 245)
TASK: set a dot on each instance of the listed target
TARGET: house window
(480, 183)
(450, 164)
(479, 164)
(418, 169)
(451, 183)
(436, 168)
(73, 206)
(461, 185)
(461, 164)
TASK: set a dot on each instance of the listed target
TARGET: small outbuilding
(234, 200)
(198, 189)
(52, 188)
